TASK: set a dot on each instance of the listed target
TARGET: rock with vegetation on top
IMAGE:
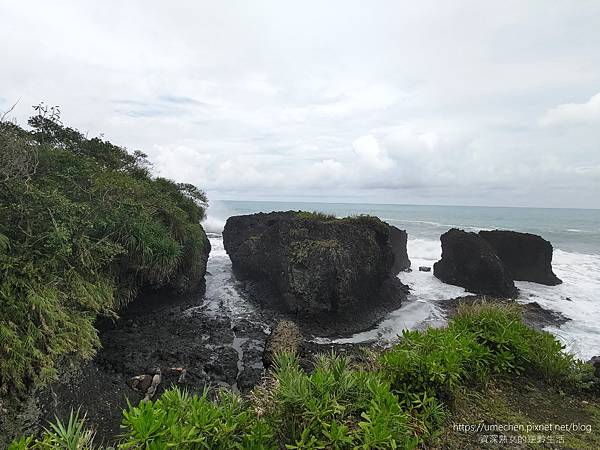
(330, 270)
(285, 337)
(398, 239)
(528, 257)
(469, 261)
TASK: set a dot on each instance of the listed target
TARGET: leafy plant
(336, 406)
(183, 421)
(73, 435)
(84, 228)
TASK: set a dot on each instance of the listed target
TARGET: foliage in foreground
(83, 227)
(400, 400)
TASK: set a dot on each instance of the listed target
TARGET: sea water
(574, 233)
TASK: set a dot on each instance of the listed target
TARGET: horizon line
(404, 204)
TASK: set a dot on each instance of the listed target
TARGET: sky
(452, 103)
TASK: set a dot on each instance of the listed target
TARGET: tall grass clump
(72, 435)
(336, 406)
(183, 421)
(482, 340)
(513, 346)
(84, 227)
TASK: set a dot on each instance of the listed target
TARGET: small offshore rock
(528, 257)
(424, 269)
(469, 261)
(285, 337)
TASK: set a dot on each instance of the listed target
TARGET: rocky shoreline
(201, 340)
(195, 332)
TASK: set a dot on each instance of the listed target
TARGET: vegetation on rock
(83, 227)
(405, 397)
(334, 273)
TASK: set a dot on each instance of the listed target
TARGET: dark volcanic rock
(424, 269)
(336, 273)
(398, 239)
(595, 361)
(158, 330)
(528, 257)
(469, 261)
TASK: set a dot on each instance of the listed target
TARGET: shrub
(335, 406)
(183, 421)
(514, 347)
(500, 329)
(83, 228)
(427, 367)
(73, 435)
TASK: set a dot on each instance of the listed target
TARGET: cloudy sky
(462, 102)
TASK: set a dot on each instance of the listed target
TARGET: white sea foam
(437, 224)
(213, 224)
(420, 310)
(577, 298)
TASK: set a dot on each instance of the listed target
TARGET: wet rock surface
(317, 267)
(181, 334)
(469, 261)
(218, 338)
(528, 257)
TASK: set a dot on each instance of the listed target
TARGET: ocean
(574, 233)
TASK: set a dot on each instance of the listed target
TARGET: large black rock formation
(321, 267)
(398, 240)
(528, 257)
(469, 261)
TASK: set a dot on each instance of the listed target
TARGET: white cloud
(574, 113)
(369, 151)
(399, 101)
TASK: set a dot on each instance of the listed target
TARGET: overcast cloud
(462, 102)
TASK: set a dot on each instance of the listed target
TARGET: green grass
(84, 227)
(524, 402)
(485, 367)
(73, 435)
(316, 215)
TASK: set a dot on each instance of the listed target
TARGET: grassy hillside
(83, 227)
(485, 368)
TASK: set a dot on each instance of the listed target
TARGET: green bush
(513, 346)
(73, 435)
(182, 421)
(84, 227)
(427, 367)
(335, 406)
(398, 401)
